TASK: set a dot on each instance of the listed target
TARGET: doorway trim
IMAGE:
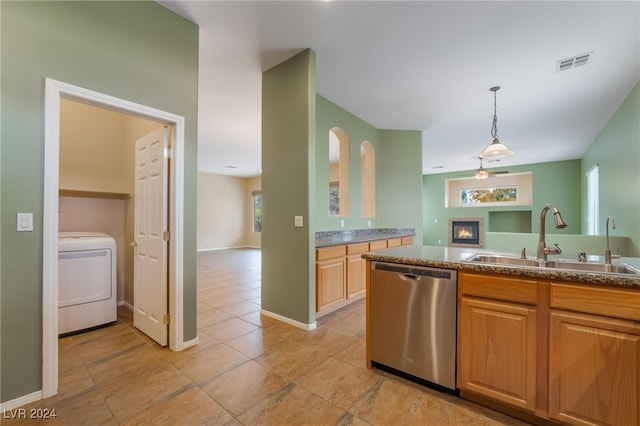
(54, 92)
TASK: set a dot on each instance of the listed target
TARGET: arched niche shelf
(338, 172)
(368, 178)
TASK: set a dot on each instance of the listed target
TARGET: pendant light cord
(494, 127)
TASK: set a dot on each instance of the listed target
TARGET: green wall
(288, 188)
(617, 152)
(555, 182)
(138, 51)
(399, 194)
(398, 173)
(330, 115)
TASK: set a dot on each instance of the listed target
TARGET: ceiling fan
(482, 173)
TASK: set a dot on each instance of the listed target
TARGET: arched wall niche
(338, 172)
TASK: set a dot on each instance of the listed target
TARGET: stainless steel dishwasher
(413, 321)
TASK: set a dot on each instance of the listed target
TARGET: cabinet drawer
(596, 300)
(407, 241)
(377, 245)
(357, 248)
(330, 252)
(499, 287)
(394, 242)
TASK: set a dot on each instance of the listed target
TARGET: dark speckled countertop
(455, 258)
(336, 238)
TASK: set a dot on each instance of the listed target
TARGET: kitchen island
(548, 345)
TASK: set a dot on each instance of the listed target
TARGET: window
(489, 195)
(593, 200)
(257, 211)
(512, 189)
(334, 198)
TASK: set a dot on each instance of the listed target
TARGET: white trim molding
(54, 91)
(19, 402)
(289, 321)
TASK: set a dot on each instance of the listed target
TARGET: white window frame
(593, 200)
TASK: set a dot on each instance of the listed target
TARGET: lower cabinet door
(330, 282)
(356, 275)
(594, 369)
(500, 360)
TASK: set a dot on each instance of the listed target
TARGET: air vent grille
(573, 62)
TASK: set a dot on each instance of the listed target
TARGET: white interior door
(150, 223)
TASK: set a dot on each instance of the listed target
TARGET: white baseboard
(19, 402)
(126, 304)
(190, 343)
(289, 320)
(226, 248)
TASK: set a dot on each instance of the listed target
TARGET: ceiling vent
(573, 62)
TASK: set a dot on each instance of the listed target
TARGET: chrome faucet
(543, 250)
(607, 253)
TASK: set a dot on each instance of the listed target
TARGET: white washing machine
(86, 280)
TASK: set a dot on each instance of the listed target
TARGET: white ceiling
(421, 65)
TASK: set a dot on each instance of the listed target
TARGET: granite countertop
(336, 238)
(455, 258)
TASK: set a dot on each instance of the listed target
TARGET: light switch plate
(24, 222)
(298, 222)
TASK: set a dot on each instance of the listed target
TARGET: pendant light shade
(496, 149)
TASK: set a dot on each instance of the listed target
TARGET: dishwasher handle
(409, 277)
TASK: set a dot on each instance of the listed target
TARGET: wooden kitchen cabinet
(330, 276)
(498, 338)
(341, 272)
(594, 358)
(356, 269)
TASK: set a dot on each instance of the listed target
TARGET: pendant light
(481, 173)
(496, 149)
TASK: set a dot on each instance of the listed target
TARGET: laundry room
(97, 181)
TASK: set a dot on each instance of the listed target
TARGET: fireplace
(466, 232)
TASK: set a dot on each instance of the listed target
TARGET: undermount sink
(592, 267)
(503, 260)
(498, 259)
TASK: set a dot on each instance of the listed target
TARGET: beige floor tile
(354, 354)
(85, 409)
(124, 365)
(329, 339)
(292, 360)
(338, 382)
(107, 345)
(203, 365)
(392, 402)
(191, 407)
(243, 387)
(292, 406)
(238, 309)
(136, 394)
(256, 318)
(227, 330)
(68, 356)
(259, 342)
(212, 316)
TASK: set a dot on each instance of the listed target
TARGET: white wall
(225, 211)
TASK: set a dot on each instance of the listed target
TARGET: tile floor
(248, 369)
